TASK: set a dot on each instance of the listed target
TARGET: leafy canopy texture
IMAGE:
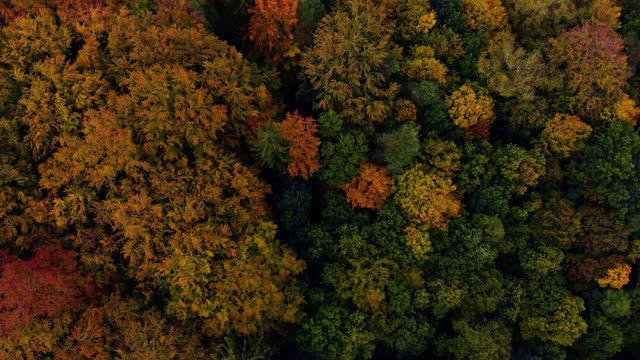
(350, 47)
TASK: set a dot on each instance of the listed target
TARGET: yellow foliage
(616, 277)
(606, 13)
(626, 109)
(467, 108)
(415, 18)
(429, 199)
(426, 22)
(565, 134)
(418, 241)
(423, 66)
(485, 15)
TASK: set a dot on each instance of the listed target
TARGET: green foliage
(605, 171)
(482, 341)
(269, 147)
(616, 304)
(552, 314)
(340, 159)
(151, 206)
(400, 147)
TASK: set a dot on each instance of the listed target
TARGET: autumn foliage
(299, 133)
(595, 65)
(429, 199)
(565, 134)
(272, 26)
(370, 188)
(43, 286)
(322, 179)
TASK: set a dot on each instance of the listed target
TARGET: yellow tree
(468, 108)
(615, 277)
(429, 199)
(565, 134)
(485, 15)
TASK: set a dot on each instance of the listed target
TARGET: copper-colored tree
(300, 132)
(370, 188)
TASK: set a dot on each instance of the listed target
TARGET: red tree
(46, 285)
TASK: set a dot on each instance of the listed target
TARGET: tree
(129, 329)
(553, 315)
(269, 147)
(605, 171)
(350, 47)
(518, 169)
(594, 65)
(616, 277)
(123, 117)
(38, 298)
(370, 188)
(538, 19)
(485, 15)
(340, 159)
(482, 341)
(429, 199)
(565, 134)
(414, 19)
(303, 145)
(422, 65)
(468, 108)
(400, 147)
(272, 26)
(511, 71)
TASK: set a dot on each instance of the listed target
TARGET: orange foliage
(616, 277)
(406, 111)
(370, 188)
(565, 134)
(626, 109)
(303, 145)
(272, 26)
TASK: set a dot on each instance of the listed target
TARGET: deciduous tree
(370, 188)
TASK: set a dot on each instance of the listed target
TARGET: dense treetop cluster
(322, 179)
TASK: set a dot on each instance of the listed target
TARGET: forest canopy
(319, 179)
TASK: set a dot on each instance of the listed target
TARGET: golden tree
(565, 134)
(428, 198)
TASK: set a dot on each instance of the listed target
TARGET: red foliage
(46, 285)
(303, 145)
(272, 26)
(481, 130)
(593, 58)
